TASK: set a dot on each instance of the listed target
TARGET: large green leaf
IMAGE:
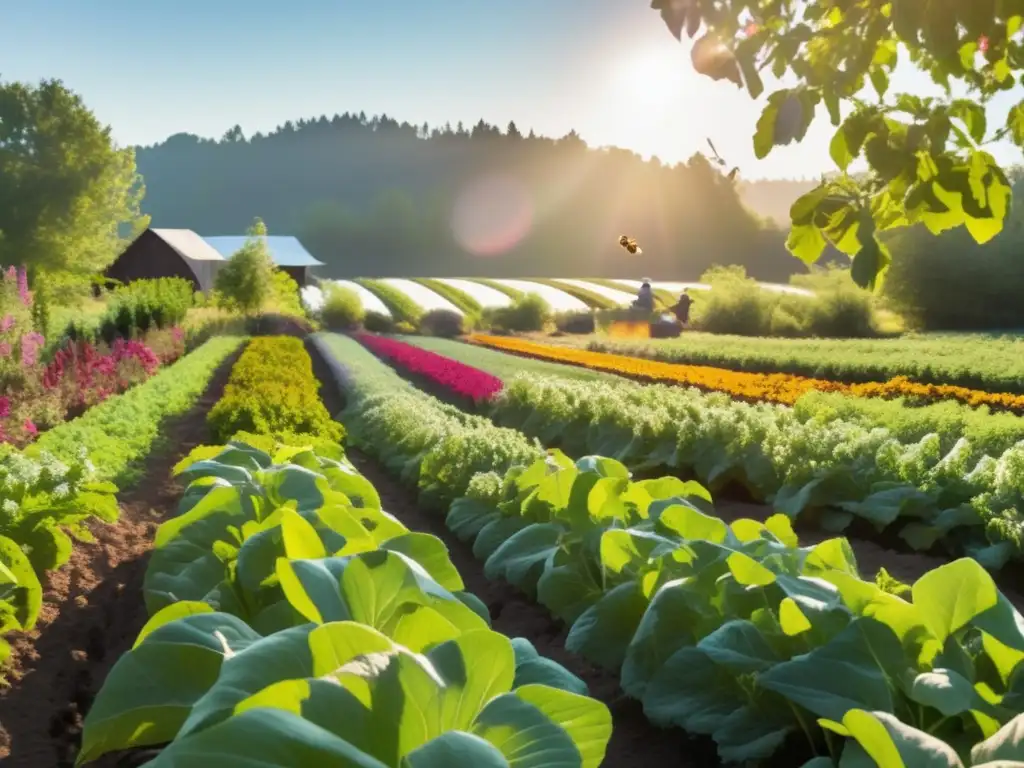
(265, 738)
(603, 632)
(953, 595)
(179, 662)
(853, 671)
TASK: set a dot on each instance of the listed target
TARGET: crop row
(782, 388)
(969, 361)
(463, 381)
(840, 470)
(52, 491)
(272, 391)
(731, 631)
(295, 622)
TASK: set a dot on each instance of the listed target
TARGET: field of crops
(408, 551)
(564, 295)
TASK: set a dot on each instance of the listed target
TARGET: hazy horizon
(606, 68)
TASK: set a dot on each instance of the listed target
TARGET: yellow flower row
(781, 388)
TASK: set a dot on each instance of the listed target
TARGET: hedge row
(272, 391)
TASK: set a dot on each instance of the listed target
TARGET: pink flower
(5, 407)
(30, 428)
(6, 323)
(23, 292)
(5, 349)
(458, 378)
(11, 274)
(30, 344)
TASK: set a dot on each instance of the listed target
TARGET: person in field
(645, 298)
(682, 308)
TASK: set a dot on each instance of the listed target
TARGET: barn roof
(284, 250)
(188, 244)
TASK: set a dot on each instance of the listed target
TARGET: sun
(649, 78)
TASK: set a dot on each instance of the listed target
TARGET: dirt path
(93, 609)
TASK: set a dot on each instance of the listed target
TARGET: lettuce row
(845, 471)
(735, 632)
(295, 622)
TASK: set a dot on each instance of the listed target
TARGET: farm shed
(183, 253)
(168, 253)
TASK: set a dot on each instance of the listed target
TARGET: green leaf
(179, 662)
(265, 738)
(524, 734)
(947, 691)
(845, 674)
(587, 721)
(19, 585)
(534, 669)
(455, 748)
(522, 558)
(172, 612)
(953, 595)
(603, 632)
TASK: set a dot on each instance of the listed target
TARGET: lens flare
(492, 215)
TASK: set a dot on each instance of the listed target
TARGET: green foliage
(45, 505)
(377, 322)
(272, 391)
(526, 313)
(444, 323)
(316, 580)
(575, 322)
(709, 624)
(797, 461)
(246, 282)
(136, 308)
(731, 630)
(994, 364)
(342, 308)
(460, 299)
(66, 188)
(284, 295)
(123, 429)
(926, 158)
(738, 305)
(402, 308)
(433, 446)
(951, 283)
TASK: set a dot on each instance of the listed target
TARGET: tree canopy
(247, 281)
(372, 196)
(925, 156)
(66, 190)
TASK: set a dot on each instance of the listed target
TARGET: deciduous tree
(926, 157)
(68, 194)
(247, 280)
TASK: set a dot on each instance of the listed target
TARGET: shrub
(404, 327)
(575, 322)
(737, 305)
(376, 322)
(442, 322)
(272, 391)
(284, 295)
(246, 282)
(460, 299)
(342, 309)
(529, 313)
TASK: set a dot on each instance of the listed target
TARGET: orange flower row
(781, 388)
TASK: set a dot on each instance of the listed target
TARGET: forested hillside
(375, 196)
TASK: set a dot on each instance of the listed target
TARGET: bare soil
(93, 609)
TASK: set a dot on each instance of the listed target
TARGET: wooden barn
(183, 253)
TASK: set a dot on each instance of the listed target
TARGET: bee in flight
(630, 245)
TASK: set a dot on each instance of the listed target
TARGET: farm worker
(645, 299)
(682, 308)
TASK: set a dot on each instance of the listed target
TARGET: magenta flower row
(460, 379)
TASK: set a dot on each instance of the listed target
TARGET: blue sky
(607, 68)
